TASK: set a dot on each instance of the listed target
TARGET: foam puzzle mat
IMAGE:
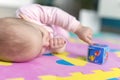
(69, 65)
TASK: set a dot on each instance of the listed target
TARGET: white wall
(15, 3)
(9, 7)
(109, 8)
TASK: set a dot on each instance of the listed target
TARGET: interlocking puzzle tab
(98, 53)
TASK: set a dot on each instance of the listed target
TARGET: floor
(69, 65)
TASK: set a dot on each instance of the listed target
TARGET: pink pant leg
(63, 32)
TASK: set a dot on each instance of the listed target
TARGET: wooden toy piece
(98, 53)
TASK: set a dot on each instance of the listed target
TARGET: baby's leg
(63, 32)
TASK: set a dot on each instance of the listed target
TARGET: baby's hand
(56, 43)
(85, 34)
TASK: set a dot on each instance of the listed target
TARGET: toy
(98, 53)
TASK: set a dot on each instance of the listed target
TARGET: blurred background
(100, 15)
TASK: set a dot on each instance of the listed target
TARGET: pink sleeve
(50, 16)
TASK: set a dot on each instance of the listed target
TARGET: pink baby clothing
(52, 17)
(55, 20)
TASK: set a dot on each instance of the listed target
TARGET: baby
(36, 30)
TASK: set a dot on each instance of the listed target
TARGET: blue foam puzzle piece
(63, 62)
(113, 79)
(48, 54)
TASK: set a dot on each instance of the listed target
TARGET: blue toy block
(98, 53)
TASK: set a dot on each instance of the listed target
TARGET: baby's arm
(48, 15)
(55, 16)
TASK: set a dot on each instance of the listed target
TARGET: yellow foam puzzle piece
(74, 61)
(97, 75)
(5, 63)
(76, 40)
(16, 79)
(118, 53)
